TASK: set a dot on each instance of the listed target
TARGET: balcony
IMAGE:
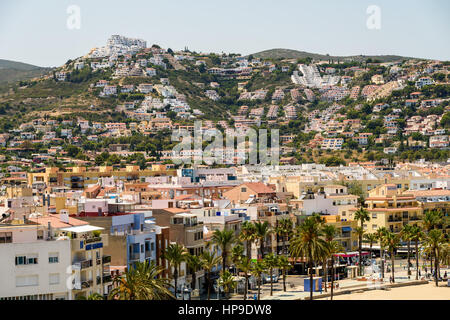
(93, 239)
(148, 254)
(106, 259)
(80, 265)
(135, 256)
(107, 278)
(99, 280)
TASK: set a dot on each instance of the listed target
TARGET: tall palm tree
(360, 232)
(329, 232)
(431, 220)
(209, 261)
(175, 254)
(333, 248)
(248, 235)
(226, 280)
(262, 231)
(144, 282)
(271, 262)
(406, 235)
(416, 235)
(371, 238)
(307, 243)
(380, 233)
(223, 239)
(284, 229)
(433, 242)
(392, 241)
(245, 265)
(284, 264)
(237, 252)
(195, 264)
(361, 215)
(258, 268)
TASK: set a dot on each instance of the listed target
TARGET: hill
(12, 71)
(279, 53)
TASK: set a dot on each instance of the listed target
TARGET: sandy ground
(419, 292)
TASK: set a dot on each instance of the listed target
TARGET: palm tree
(406, 235)
(226, 280)
(371, 238)
(248, 235)
(209, 261)
(360, 232)
(237, 252)
(95, 296)
(144, 282)
(223, 239)
(332, 248)
(195, 264)
(380, 233)
(271, 262)
(392, 241)
(361, 215)
(245, 265)
(307, 243)
(284, 230)
(329, 232)
(284, 264)
(258, 268)
(175, 254)
(434, 242)
(415, 235)
(431, 219)
(262, 230)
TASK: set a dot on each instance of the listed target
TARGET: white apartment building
(34, 263)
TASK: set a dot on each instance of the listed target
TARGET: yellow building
(391, 208)
(79, 177)
(345, 231)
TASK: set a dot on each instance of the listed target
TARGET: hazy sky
(36, 32)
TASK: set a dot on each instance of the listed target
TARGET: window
(374, 215)
(21, 260)
(53, 257)
(40, 234)
(5, 237)
(243, 189)
(374, 227)
(26, 281)
(53, 278)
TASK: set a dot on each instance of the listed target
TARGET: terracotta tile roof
(56, 222)
(259, 187)
(429, 193)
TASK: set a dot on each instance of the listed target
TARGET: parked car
(266, 278)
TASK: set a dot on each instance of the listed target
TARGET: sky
(36, 32)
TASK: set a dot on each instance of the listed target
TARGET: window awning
(346, 229)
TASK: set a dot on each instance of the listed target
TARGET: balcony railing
(135, 256)
(94, 239)
(106, 259)
(148, 254)
(82, 264)
(107, 278)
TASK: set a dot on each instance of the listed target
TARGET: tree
(195, 264)
(284, 265)
(245, 265)
(284, 229)
(431, 220)
(416, 235)
(248, 234)
(433, 242)
(223, 239)
(332, 248)
(144, 282)
(392, 241)
(329, 232)
(262, 231)
(175, 254)
(209, 261)
(271, 262)
(226, 280)
(406, 235)
(380, 233)
(307, 243)
(361, 215)
(257, 270)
